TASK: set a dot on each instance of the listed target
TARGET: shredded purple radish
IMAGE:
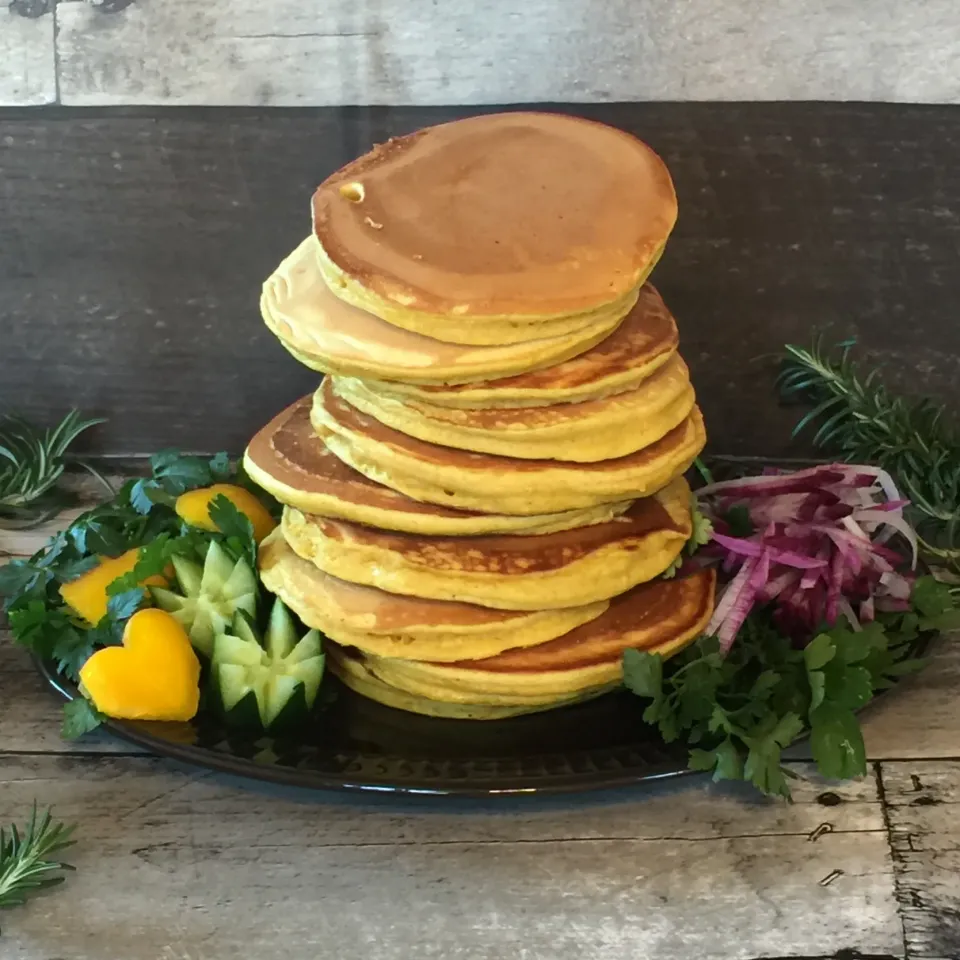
(818, 551)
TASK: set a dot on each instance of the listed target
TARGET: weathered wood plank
(922, 801)
(173, 865)
(392, 52)
(27, 71)
(141, 244)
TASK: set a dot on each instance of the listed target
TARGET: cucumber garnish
(210, 596)
(271, 680)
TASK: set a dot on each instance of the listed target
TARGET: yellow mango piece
(193, 507)
(155, 675)
(87, 595)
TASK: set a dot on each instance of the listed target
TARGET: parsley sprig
(738, 713)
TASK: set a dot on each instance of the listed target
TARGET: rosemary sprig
(31, 463)
(912, 439)
(26, 866)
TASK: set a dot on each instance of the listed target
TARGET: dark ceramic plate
(356, 744)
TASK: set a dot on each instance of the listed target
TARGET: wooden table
(179, 864)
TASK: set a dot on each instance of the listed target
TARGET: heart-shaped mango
(155, 675)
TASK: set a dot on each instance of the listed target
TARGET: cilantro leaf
(122, 606)
(643, 673)
(80, 716)
(18, 577)
(725, 761)
(236, 527)
(73, 649)
(220, 469)
(819, 651)
(837, 742)
(933, 601)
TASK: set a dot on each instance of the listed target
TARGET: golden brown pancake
(495, 226)
(585, 432)
(326, 333)
(644, 341)
(553, 570)
(662, 616)
(394, 626)
(354, 673)
(486, 482)
(293, 464)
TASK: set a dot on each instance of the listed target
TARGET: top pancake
(645, 340)
(495, 225)
(326, 333)
(293, 464)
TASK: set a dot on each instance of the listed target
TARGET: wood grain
(921, 803)
(172, 864)
(27, 72)
(133, 250)
(394, 52)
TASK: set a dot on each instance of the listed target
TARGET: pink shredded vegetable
(818, 550)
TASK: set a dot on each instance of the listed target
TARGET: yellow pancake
(584, 432)
(395, 626)
(661, 616)
(293, 464)
(354, 674)
(326, 333)
(487, 482)
(496, 229)
(644, 341)
(567, 569)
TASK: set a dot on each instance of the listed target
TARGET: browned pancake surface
(523, 213)
(289, 450)
(510, 555)
(670, 605)
(647, 333)
(353, 421)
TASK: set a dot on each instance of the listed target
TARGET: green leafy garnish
(80, 716)
(141, 514)
(737, 713)
(701, 530)
(26, 864)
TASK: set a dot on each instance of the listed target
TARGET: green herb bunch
(31, 463)
(141, 514)
(739, 712)
(862, 422)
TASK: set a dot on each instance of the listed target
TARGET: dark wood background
(133, 246)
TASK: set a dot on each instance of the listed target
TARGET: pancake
(354, 673)
(293, 464)
(553, 570)
(503, 485)
(392, 626)
(661, 616)
(496, 229)
(644, 341)
(584, 432)
(325, 333)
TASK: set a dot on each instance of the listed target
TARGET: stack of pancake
(482, 495)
